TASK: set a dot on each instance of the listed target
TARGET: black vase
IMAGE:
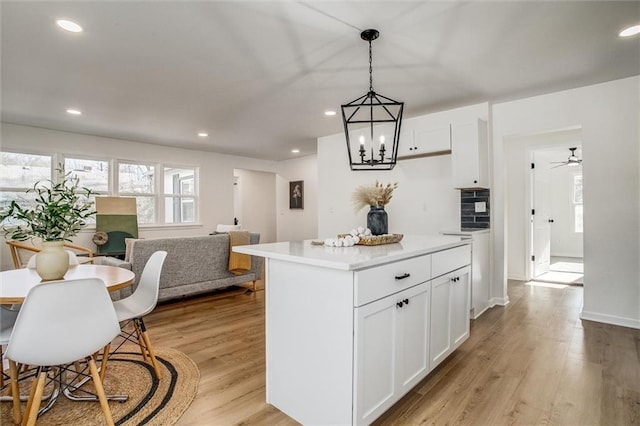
(377, 220)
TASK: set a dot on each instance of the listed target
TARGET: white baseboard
(610, 319)
(516, 277)
(501, 301)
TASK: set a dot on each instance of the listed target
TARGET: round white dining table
(15, 284)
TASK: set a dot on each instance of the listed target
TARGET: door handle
(403, 276)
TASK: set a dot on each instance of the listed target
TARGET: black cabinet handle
(406, 301)
(455, 279)
(403, 276)
(550, 220)
(399, 304)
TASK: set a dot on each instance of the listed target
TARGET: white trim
(500, 301)
(517, 277)
(610, 319)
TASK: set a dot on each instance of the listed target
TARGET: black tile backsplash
(469, 218)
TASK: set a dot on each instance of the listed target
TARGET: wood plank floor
(533, 362)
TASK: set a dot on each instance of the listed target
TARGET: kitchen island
(350, 330)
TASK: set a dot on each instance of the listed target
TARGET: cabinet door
(413, 337)
(460, 290)
(469, 155)
(440, 324)
(375, 356)
(406, 144)
(432, 140)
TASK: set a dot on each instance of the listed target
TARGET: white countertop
(355, 257)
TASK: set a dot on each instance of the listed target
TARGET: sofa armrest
(112, 261)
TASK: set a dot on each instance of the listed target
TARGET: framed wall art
(296, 194)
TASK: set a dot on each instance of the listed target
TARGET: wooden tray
(376, 240)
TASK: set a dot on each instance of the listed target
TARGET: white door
(413, 336)
(540, 216)
(375, 358)
(440, 342)
(460, 306)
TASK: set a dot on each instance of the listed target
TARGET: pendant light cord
(370, 69)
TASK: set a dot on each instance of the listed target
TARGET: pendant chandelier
(372, 124)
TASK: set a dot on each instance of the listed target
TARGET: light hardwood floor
(533, 362)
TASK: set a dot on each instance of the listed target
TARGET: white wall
(518, 154)
(216, 173)
(257, 212)
(608, 114)
(296, 224)
(565, 241)
(425, 201)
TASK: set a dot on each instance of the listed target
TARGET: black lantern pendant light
(372, 125)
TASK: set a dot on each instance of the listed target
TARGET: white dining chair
(140, 303)
(61, 322)
(73, 260)
(7, 320)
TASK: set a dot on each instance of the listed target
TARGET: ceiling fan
(573, 160)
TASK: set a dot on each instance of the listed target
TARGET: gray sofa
(193, 264)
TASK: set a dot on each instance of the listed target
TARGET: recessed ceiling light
(203, 134)
(69, 26)
(329, 113)
(295, 150)
(631, 31)
(74, 111)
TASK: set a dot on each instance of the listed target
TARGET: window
(138, 180)
(92, 174)
(164, 194)
(179, 195)
(19, 172)
(577, 201)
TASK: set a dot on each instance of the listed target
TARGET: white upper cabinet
(469, 154)
(424, 136)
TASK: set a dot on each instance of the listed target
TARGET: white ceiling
(257, 76)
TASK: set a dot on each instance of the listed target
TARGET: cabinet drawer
(376, 283)
(447, 260)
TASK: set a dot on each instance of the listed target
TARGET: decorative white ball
(367, 232)
(356, 240)
(360, 230)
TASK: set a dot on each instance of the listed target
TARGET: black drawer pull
(406, 301)
(399, 304)
(403, 276)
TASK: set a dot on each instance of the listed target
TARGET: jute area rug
(151, 401)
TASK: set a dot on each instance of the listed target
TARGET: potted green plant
(61, 210)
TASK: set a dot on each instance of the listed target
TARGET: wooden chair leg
(35, 400)
(15, 392)
(143, 350)
(1, 372)
(100, 391)
(103, 364)
(147, 343)
(32, 393)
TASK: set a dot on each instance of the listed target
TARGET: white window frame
(578, 205)
(194, 197)
(58, 158)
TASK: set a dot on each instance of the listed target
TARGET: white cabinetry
(344, 343)
(449, 313)
(469, 154)
(392, 350)
(425, 142)
(480, 269)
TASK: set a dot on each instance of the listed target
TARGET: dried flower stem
(376, 195)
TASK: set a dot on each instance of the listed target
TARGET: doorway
(556, 243)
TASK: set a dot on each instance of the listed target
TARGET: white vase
(53, 261)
